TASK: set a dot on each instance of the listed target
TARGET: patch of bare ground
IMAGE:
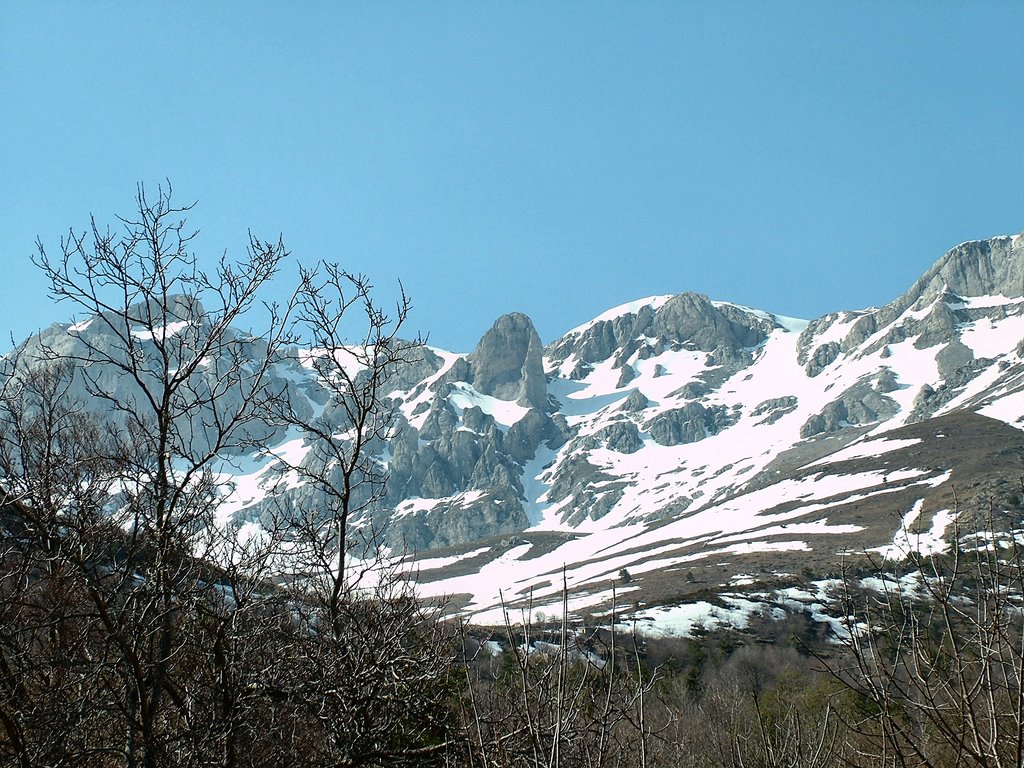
(541, 543)
(984, 460)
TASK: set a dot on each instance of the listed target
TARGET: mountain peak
(508, 362)
(993, 267)
(693, 318)
(675, 431)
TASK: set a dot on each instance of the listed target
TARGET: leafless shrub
(135, 628)
(936, 656)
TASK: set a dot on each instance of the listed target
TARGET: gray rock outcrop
(689, 320)
(860, 404)
(635, 403)
(992, 267)
(775, 408)
(688, 424)
(508, 363)
(620, 436)
(692, 319)
(975, 268)
(823, 357)
(454, 522)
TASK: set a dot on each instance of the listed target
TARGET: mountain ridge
(662, 433)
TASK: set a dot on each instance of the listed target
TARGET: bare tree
(55, 692)
(370, 681)
(765, 707)
(560, 698)
(159, 355)
(137, 626)
(936, 649)
(356, 353)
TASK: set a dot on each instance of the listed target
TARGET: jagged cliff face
(677, 432)
(666, 405)
(475, 438)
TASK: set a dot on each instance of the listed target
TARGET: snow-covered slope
(700, 442)
(698, 445)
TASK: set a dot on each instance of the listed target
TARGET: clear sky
(554, 158)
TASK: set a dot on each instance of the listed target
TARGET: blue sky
(551, 158)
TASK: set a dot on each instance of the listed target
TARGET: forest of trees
(138, 630)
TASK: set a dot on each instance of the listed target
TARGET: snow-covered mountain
(706, 448)
(699, 444)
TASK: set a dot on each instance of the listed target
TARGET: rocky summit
(683, 448)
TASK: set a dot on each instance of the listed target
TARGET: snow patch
(926, 543)
(504, 412)
(629, 308)
(161, 332)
